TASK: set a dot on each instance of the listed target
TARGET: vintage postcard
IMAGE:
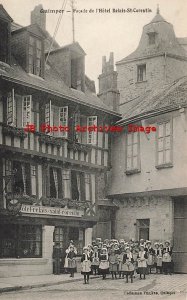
(93, 149)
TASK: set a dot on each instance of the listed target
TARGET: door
(180, 235)
(143, 229)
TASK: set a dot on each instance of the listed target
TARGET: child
(95, 260)
(167, 262)
(142, 262)
(128, 264)
(150, 254)
(120, 261)
(113, 264)
(86, 265)
(71, 261)
(104, 263)
(135, 260)
(158, 255)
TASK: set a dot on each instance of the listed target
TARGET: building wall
(150, 178)
(159, 70)
(158, 209)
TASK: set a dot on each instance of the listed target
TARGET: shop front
(27, 238)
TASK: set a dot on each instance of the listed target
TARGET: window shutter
(92, 135)
(66, 183)
(87, 186)
(33, 179)
(55, 176)
(63, 120)
(8, 175)
(26, 110)
(11, 109)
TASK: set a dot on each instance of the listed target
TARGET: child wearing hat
(95, 260)
(104, 263)
(150, 254)
(71, 261)
(113, 264)
(86, 265)
(158, 257)
(142, 262)
(128, 267)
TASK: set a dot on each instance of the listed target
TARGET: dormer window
(152, 38)
(36, 59)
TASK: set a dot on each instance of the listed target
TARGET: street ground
(160, 287)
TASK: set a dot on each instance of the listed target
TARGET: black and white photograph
(93, 149)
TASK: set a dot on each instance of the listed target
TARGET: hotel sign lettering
(52, 211)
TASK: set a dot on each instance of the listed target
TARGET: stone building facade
(148, 176)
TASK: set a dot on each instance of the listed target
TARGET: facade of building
(50, 176)
(150, 169)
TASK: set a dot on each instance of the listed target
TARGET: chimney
(37, 17)
(108, 91)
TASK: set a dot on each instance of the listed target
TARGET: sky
(102, 33)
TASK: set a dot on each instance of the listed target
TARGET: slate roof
(52, 84)
(167, 98)
(167, 41)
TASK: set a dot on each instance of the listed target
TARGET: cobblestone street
(155, 286)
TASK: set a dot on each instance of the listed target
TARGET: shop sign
(52, 211)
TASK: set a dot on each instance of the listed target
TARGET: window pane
(167, 142)
(135, 137)
(161, 130)
(129, 139)
(135, 162)
(160, 144)
(135, 149)
(168, 128)
(167, 156)
(160, 157)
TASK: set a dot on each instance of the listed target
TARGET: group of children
(126, 259)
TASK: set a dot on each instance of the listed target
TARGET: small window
(58, 236)
(35, 56)
(133, 152)
(26, 110)
(164, 143)
(92, 135)
(77, 186)
(152, 38)
(141, 73)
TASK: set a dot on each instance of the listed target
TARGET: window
(152, 38)
(77, 186)
(35, 56)
(92, 135)
(164, 143)
(58, 236)
(141, 73)
(49, 117)
(87, 186)
(63, 119)
(143, 229)
(77, 236)
(22, 178)
(133, 152)
(11, 109)
(77, 134)
(20, 241)
(4, 42)
(55, 183)
(26, 110)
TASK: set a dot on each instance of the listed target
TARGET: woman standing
(86, 265)
(142, 262)
(104, 263)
